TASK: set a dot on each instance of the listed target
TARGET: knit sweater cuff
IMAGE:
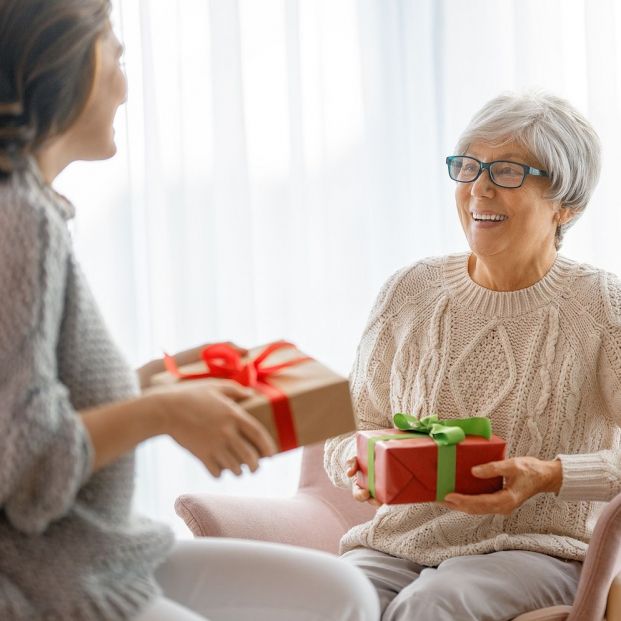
(585, 477)
(337, 452)
(345, 481)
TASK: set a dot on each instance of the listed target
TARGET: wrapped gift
(422, 460)
(298, 400)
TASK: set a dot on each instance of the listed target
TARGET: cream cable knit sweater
(544, 363)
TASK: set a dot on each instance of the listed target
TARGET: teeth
(492, 217)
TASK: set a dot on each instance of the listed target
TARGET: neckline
(61, 203)
(554, 284)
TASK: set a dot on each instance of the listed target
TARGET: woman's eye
(508, 171)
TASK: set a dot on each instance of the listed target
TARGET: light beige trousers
(485, 587)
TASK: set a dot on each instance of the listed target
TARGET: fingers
(256, 434)
(233, 390)
(502, 502)
(189, 356)
(359, 493)
(493, 469)
(362, 495)
(227, 461)
(247, 440)
(232, 457)
(245, 453)
(212, 466)
(147, 371)
(352, 466)
(249, 427)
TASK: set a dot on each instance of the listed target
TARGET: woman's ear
(564, 215)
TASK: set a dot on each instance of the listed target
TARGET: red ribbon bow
(225, 362)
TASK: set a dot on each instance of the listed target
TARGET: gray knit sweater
(70, 547)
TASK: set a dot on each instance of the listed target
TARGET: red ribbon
(225, 362)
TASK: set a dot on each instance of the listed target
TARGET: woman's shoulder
(610, 286)
(423, 277)
(34, 240)
(426, 272)
(597, 290)
(34, 247)
(27, 213)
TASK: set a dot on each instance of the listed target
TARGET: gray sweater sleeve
(45, 451)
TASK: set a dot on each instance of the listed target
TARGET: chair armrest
(601, 565)
(303, 520)
(613, 605)
(552, 613)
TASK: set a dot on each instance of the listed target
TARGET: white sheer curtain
(278, 159)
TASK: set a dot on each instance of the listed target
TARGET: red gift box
(406, 471)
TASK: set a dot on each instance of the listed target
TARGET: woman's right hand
(202, 416)
(359, 494)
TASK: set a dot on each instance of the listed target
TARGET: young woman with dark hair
(71, 410)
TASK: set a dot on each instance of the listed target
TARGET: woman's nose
(482, 185)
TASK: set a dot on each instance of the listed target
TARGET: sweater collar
(62, 204)
(556, 283)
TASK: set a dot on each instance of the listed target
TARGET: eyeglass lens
(466, 169)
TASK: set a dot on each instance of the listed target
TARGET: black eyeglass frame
(528, 170)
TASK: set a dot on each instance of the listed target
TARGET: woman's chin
(103, 152)
(111, 151)
(485, 249)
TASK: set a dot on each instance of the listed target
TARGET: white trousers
(217, 579)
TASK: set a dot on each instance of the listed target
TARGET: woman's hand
(202, 416)
(359, 494)
(148, 370)
(524, 477)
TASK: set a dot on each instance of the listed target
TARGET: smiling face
(91, 137)
(502, 222)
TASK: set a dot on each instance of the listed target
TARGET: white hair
(554, 132)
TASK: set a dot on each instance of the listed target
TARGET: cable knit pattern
(70, 549)
(543, 363)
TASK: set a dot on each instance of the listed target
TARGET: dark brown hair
(47, 66)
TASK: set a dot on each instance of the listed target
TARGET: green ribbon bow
(445, 433)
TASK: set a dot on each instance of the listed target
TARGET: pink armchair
(319, 514)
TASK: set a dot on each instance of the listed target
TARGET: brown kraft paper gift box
(319, 402)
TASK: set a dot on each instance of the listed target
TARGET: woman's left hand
(147, 371)
(524, 477)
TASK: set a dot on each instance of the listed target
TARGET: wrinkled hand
(148, 370)
(202, 416)
(359, 494)
(524, 477)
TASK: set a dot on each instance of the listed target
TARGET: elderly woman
(514, 332)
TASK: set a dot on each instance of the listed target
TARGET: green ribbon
(447, 434)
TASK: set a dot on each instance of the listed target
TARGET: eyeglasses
(466, 169)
